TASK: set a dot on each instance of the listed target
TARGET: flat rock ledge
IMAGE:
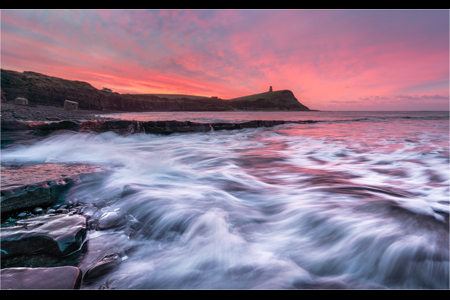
(128, 126)
(39, 185)
(57, 278)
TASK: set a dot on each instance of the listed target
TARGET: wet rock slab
(131, 126)
(105, 254)
(58, 235)
(40, 185)
(168, 127)
(57, 278)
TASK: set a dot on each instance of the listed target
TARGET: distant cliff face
(47, 90)
(148, 102)
(273, 100)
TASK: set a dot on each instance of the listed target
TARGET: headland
(44, 90)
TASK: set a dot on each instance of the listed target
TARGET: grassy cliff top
(176, 96)
(38, 79)
(266, 95)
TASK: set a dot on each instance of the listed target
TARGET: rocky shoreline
(44, 241)
(12, 112)
(43, 234)
(24, 123)
(49, 241)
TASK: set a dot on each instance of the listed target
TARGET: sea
(356, 200)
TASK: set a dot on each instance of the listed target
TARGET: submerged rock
(57, 235)
(103, 266)
(112, 219)
(57, 278)
(133, 188)
(89, 211)
(115, 282)
(105, 254)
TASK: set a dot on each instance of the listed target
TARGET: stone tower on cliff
(270, 90)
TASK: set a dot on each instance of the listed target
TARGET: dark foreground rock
(169, 127)
(105, 255)
(40, 185)
(103, 266)
(58, 235)
(58, 278)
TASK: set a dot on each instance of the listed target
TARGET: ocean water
(359, 200)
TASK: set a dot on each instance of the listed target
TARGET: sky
(332, 60)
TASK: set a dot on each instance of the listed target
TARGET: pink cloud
(322, 56)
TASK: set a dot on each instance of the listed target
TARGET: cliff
(47, 90)
(282, 100)
(53, 91)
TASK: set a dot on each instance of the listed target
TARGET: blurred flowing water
(359, 200)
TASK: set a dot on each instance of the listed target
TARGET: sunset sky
(329, 59)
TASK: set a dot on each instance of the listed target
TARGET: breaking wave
(362, 205)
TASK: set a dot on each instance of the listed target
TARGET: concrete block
(20, 101)
(70, 105)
